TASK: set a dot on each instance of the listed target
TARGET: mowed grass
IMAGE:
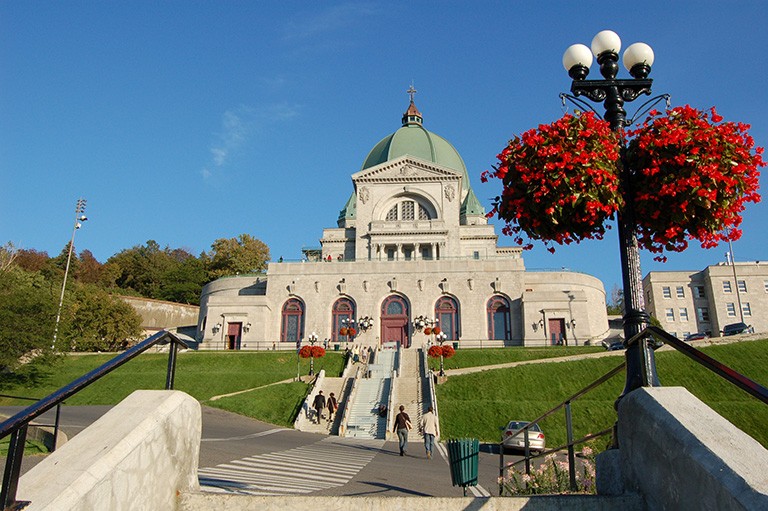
(492, 356)
(200, 374)
(477, 405)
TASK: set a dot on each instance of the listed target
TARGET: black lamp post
(440, 338)
(312, 340)
(638, 58)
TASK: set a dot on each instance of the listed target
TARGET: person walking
(333, 405)
(431, 429)
(318, 404)
(402, 425)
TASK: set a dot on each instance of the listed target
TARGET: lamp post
(638, 59)
(79, 219)
(312, 340)
(440, 339)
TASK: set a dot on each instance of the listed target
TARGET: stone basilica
(412, 249)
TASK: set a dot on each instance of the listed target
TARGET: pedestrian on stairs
(333, 405)
(402, 425)
(431, 429)
(318, 404)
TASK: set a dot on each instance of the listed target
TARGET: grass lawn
(476, 405)
(491, 356)
(200, 374)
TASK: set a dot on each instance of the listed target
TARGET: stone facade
(707, 300)
(412, 249)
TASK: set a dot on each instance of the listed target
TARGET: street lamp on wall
(312, 340)
(638, 59)
(79, 219)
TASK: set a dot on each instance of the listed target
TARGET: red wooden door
(557, 331)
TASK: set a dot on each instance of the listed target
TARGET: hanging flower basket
(305, 351)
(436, 330)
(351, 332)
(560, 181)
(318, 352)
(434, 351)
(428, 330)
(448, 351)
(343, 331)
(692, 176)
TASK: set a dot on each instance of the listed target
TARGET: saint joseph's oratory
(412, 250)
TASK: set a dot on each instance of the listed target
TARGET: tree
(97, 321)
(89, 270)
(8, 255)
(27, 309)
(231, 256)
(616, 303)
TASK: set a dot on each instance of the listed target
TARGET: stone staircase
(363, 419)
(408, 388)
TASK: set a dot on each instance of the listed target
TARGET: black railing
(751, 387)
(17, 425)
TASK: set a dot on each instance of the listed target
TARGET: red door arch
(394, 321)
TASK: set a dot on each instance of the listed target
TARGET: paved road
(242, 455)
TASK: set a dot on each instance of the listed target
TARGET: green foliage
(97, 321)
(27, 312)
(477, 405)
(244, 254)
(494, 356)
(276, 404)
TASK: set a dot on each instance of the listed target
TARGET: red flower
(434, 351)
(448, 351)
(305, 351)
(318, 351)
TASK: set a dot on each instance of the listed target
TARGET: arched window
(292, 327)
(408, 209)
(447, 312)
(343, 311)
(499, 319)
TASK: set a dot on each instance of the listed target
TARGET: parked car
(615, 346)
(514, 437)
(737, 328)
(696, 337)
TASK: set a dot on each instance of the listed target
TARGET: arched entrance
(447, 312)
(292, 324)
(394, 321)
(342, 314)
(499, 319)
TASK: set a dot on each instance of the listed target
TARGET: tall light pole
(638, 59)
(79, 219)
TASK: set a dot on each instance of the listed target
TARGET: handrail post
(571, 456)
(527, 452)
(501, 466)
(171, 375)
(13, 467)
(56, 427)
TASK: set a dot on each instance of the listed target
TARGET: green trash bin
(462, 458)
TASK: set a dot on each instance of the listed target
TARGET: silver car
(514, 438)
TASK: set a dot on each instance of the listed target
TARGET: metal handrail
(17, 425)
(751, 387)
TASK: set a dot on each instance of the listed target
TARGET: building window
(698, 291)
(343, 311)
(447, 313)
(666, 292)
(408, 210)
(726, 286)
(742, 285)
(476, 254)
(683, 314)
(731, 309)
(292, 328)
(746, 309)
(702, 314)
(499, 319)
(670, 314)
(392, 214)
(680, 291)
(423, 215)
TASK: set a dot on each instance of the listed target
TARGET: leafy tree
(183, 282)
(231, 256)
(89, 269)
(98, 321)
(27, 311)
(31, 259)
(616, 302)
(140, 268)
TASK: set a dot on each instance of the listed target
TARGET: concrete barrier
(139, 456)
(677, 453)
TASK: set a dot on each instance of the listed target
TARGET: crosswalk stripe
(326, 464)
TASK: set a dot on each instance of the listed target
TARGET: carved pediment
(406, 169)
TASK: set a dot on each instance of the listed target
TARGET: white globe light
(638, 53)
(607, 40)
(577, 54)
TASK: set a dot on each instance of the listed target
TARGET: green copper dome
(413, 140)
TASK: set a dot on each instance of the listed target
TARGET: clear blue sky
(188, 121)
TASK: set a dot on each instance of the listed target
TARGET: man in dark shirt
(402, 425)
(318, 404)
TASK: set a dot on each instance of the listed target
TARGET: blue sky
(188, 121)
